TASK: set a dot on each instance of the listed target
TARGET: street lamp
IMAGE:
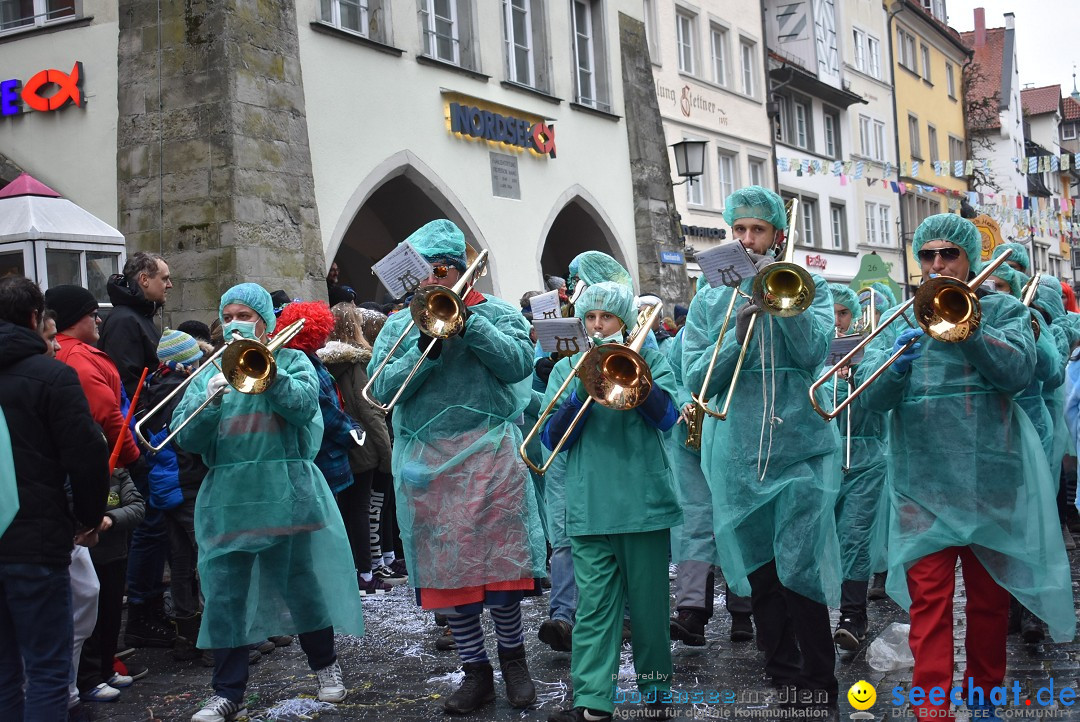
(689, 159)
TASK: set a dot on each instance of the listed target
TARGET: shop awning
(31, 211)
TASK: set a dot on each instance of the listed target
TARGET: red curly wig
(319, 324)
(1069, 297)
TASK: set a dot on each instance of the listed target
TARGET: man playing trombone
(773, 467)
(265, 521)
(968, 476)
(466, 505)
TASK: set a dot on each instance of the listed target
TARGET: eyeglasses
(927, 255)
(439, 270)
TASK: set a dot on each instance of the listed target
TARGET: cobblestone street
(395, 673)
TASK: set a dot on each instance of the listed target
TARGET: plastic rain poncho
(773, 466)
(618, 477)
(9, 491)
(466, 505)
(965, 464)
(861, 525)
(693, 539)
(1048, 298)
(274, 557)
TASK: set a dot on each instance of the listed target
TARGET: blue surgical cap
(594, 267)
(883, 296)
(254, 297)
(1011, 276)
(1019, 255)
(611, 297)
(846, 297)
(440, 240)
(954, 229)
(756, 202)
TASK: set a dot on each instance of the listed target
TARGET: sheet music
(546, 305)
(841, 347)
(561, 335)
(726, 265)
(402, 270)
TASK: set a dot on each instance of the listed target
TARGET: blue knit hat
(178, 348)
(254, 297)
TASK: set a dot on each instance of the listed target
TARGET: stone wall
(214, 169)
(654, 198)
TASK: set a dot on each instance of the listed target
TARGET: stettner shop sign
(506, 128)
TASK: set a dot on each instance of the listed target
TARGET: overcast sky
(1045, 51)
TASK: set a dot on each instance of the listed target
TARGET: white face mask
(246, 329)
(616, 337)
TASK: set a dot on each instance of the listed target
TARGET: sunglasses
(439, 270)
(927, 255)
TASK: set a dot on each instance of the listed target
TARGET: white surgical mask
(616, 337)
(246, 329)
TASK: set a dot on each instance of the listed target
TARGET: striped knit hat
(177, 347)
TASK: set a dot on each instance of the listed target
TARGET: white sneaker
(331, 686)
(120, 680)
(102, 693)
(219, 709)
(673, 572)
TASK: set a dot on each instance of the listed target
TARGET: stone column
(214, 168)
(654, 198)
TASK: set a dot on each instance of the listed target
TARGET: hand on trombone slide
(686, 413)
(743, 320)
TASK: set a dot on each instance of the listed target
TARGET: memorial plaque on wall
(504, 176)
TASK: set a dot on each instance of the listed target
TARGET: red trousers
(931, 582)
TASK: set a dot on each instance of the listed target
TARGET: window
(719, 39)
(872, 138)
(685, 29)
(872, 236)
(935, 8)
(808, 222)
(1068, 131)
(873, 56)
(956, 149)
(725, 171)
(885, 224)
(448, 31)
(346, 14)
(648, 14)
(905, 49)
(931, 142)
(589, 57)
(802, 124)
(917, 208)
(746, 53)
(783, 128)
(695, 191)
(925, 62)
(87, 268)
(860, 49)
(831, 122)
(28, 13)
(913, 137)
(879, 141)
(757, 172)
(878, 224)
(950, 80)
(838, 224)
(517, 30)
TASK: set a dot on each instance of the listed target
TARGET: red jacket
(101, 383)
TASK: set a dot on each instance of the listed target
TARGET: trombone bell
(437, 311)
(784, 289)
(947, 309)
(616, 377)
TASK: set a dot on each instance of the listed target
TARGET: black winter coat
(53, 438)
(129, 335)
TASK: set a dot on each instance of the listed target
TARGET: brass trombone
(782, 289)
(1028, 297)
(614, 375)
(248, 365)
(439, 312)
(946, 308)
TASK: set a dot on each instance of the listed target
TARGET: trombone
(439, 312)
(614, 375)
(782, 289)
(1028, 296)
(248, 365)
(946, 308)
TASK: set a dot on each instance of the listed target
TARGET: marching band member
(967, 479)
(618, 524)
(772, 465)
(272, 546)
(466, 505)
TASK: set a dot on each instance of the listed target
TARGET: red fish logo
(35, 92)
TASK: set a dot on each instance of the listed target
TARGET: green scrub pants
(610, 570)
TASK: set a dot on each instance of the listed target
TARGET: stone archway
(577, 224)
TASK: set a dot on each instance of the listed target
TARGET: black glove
(759, 260)
(436, 345)
(742, 321)
(544, 365)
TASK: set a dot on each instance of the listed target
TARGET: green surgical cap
(594, 267)
(440, 239)
(611, 297)
(1009, 275)
(254, 297)
(954, 229)
(846, 297)
(756, 202)
(883, 296)
(1019, 254)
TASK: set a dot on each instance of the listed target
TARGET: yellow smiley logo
(862, 695)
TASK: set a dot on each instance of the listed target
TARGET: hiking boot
(688, 626)
(219, 709)
(577, 714)
(445, 642)
(520, 690)
(331, 684)
(877, 587)
(476, 690)
(145, 630)
(850, 633)
(187, 633)
(742, 628)
(557, 634)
